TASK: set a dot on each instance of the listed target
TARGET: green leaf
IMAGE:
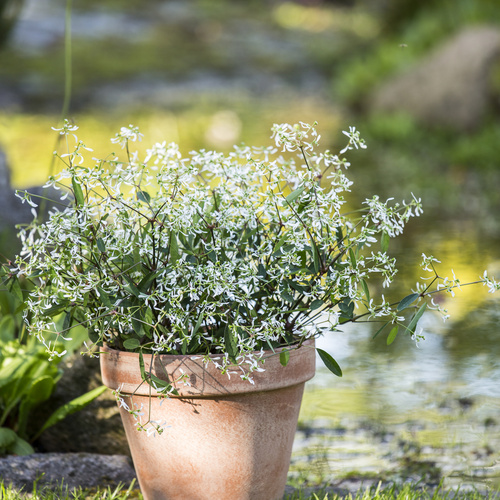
(352, 257)
(174, 248)
(55, 310)
(131, 344)
(77, 190)
(100, 245)
(346, 310)
(198, 324)
(148, 279)
(148, 322)
(230, 343)
(7, 437)
(380, 329)
(10, 371)
(366, 290)
(131, 286)
(261, 271)
(340, 238)
(330, 363)
(143, 196)
(408, 300)
(297, 287)
(212, 255)
(158, 383)
(68, 317)
(392, 335)
(316, 257)
(315, 304)
(384, 242)
(287, 296)
(20, 447)
(284, 357)
(41, 390)
(278, 245)
(141, 366)
(104, 297)
(17, 389)
(15, 289)
(7, 329)
(418, 315)
(73, 406)
(295, 194)
(138, 324)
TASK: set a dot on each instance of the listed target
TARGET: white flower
(492, 285)
(127, 134)
(354, 140)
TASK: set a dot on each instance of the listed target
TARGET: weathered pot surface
(225, 438)
(192, 377)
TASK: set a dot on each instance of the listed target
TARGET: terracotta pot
(226, 438)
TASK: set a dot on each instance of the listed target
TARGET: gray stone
(73, 469)
(12, 210)
(451, 86)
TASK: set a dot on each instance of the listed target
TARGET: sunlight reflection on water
(434, 406)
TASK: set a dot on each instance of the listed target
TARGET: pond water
(428, 412)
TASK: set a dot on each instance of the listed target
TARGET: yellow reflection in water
(332, 403)
(465, 256)
(29, 140)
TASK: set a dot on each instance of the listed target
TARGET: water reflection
(407, 412)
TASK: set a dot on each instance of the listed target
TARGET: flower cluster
(210, 254)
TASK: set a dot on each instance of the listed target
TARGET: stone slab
(72, 469)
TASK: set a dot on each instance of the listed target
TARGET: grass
(405, 492)
(63, 492)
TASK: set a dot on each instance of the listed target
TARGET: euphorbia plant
(229, 254)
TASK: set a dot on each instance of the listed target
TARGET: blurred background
(419, 78)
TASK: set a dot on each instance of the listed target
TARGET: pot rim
(192, 378)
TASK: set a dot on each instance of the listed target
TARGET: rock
(11, 208)
(4, 173)
(75, 469)
(13, 211)
(95, 429)
(451, 86)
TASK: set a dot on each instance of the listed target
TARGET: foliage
(215, 254)
(27, 377)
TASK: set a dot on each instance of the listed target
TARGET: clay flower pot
(225, 438)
